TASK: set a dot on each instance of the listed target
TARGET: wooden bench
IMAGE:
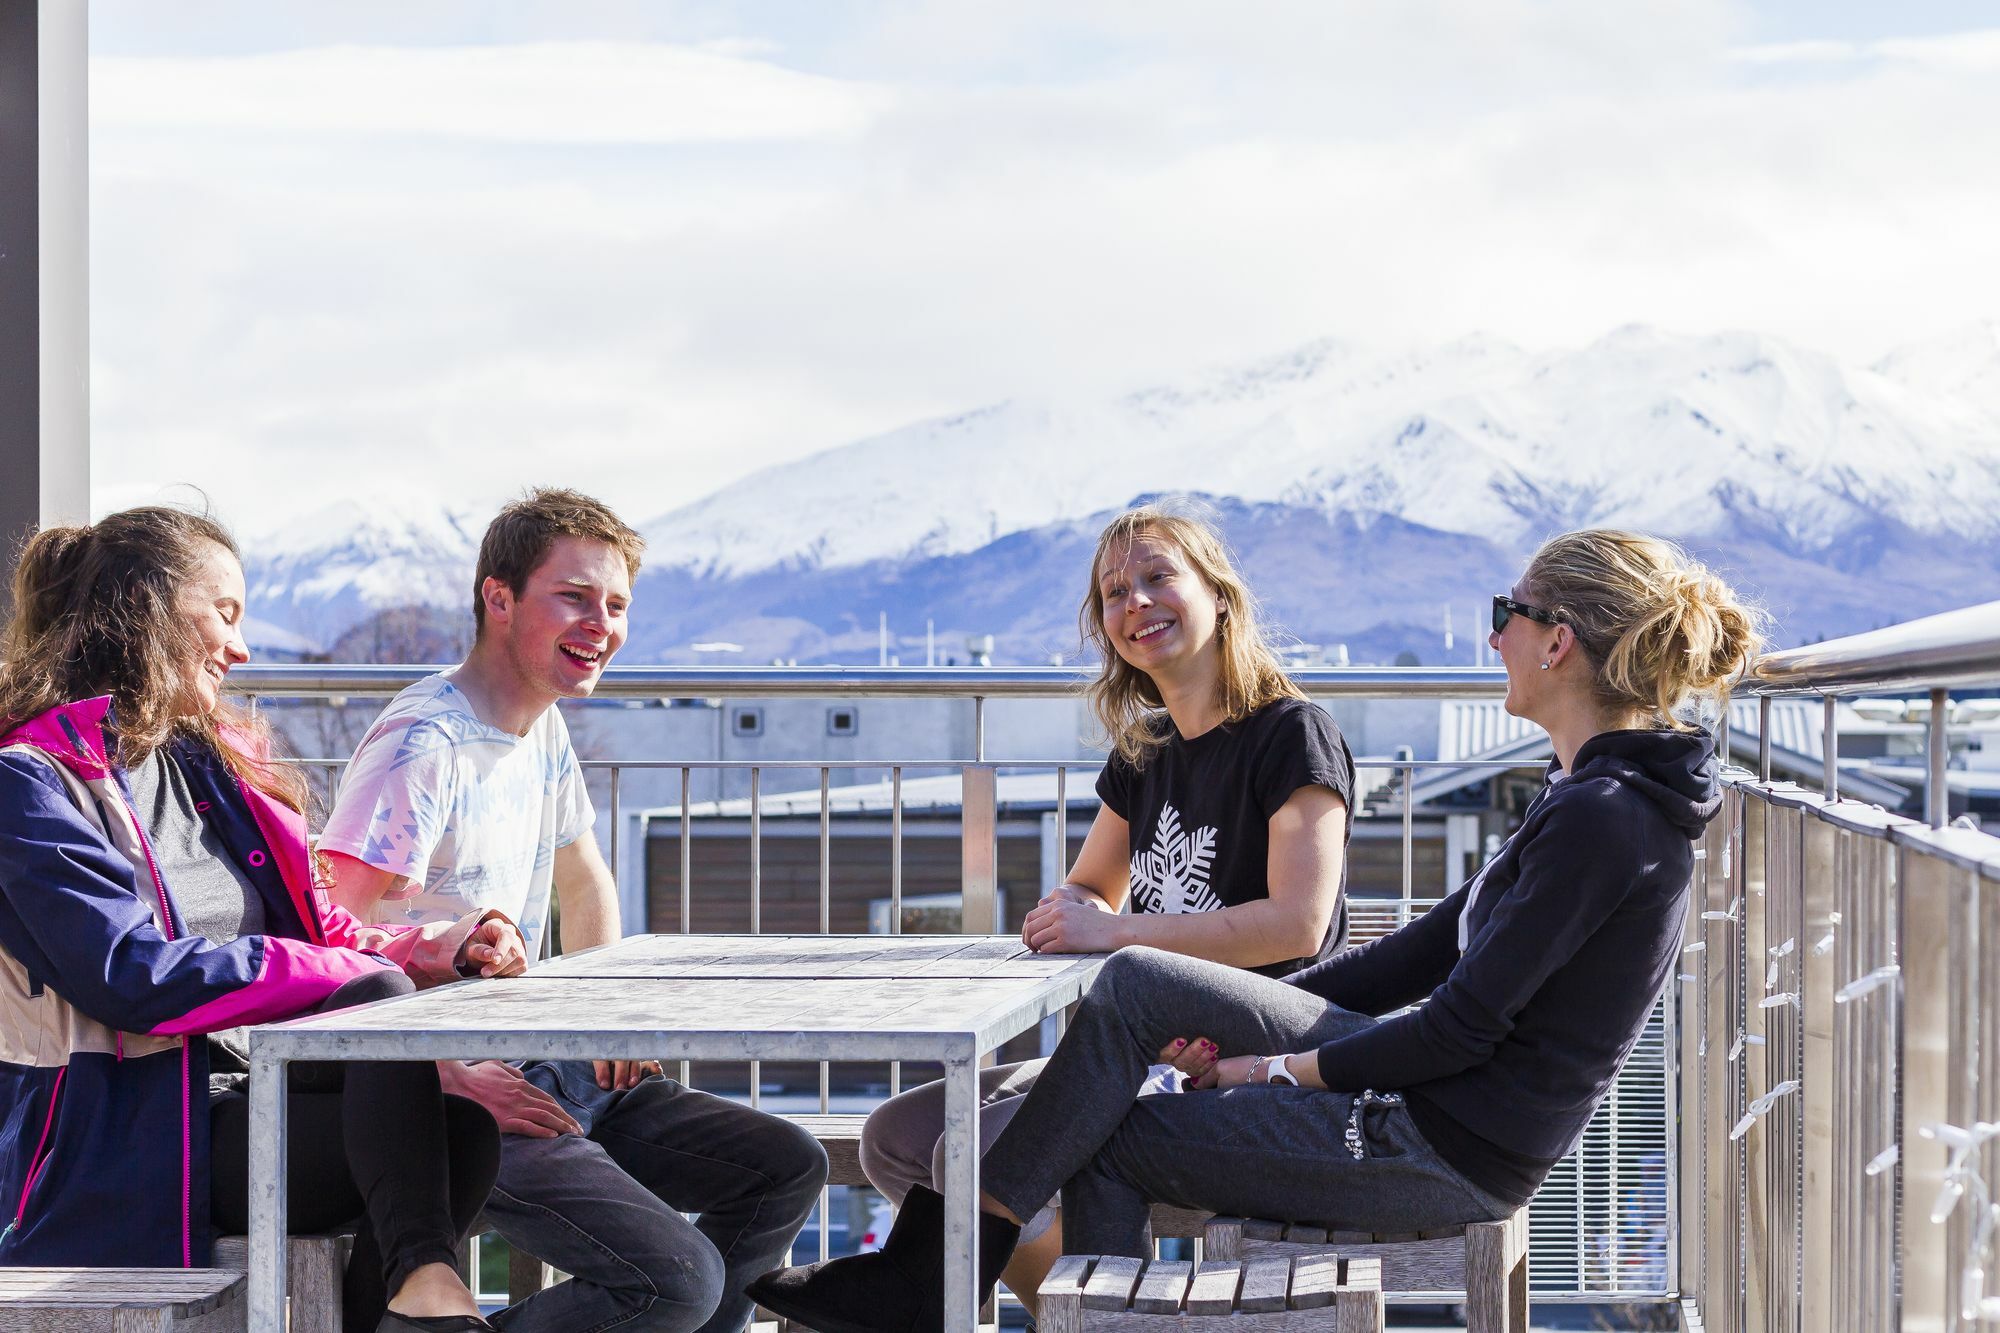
(1488, 1261)
(119, 1300)
(314, 1267)
(1319, 1291)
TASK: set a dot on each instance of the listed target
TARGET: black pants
(380, 1142)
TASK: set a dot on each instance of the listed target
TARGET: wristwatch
(1276, 1072)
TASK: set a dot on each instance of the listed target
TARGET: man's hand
(622, 1075)
(494, 949)
(1061, 926)
(1193, 1057)
(517, 1106)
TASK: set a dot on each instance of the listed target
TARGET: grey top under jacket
(214, 898)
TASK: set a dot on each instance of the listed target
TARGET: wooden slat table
(950, 999)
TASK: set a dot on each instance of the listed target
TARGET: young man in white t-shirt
(465, 793)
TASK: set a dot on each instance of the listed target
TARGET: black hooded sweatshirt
(1573, 929)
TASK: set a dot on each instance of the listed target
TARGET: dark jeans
(1258, 1151)
(379, 1142)
(606, 1205)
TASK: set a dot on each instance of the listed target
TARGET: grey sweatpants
(1257, 1151)
(902, 1141)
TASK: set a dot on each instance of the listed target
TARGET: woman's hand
(1238, 1070)
(1193, 1057)
(494, 949)
(1061, 926)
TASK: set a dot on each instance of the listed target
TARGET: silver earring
(1545, 666)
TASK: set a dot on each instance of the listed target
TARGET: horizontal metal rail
(316, 681)
(1958, 648)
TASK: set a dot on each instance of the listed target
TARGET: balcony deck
(1797, 1086)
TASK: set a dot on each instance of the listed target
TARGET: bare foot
(1030, 1265)
(434, 1289)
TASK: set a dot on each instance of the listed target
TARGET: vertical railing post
(1925, 1061)
(1764, 738)
(1817, 1075)
(979, 842)
(1937, 791)
(1830, 750)
(1722, 1270)
(1759, 1207)
(1692, 1180)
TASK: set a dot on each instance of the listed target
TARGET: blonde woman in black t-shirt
(1223, 826)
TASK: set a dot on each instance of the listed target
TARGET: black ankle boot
(897, 1289)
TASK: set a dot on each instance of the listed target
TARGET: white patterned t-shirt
(470, 813)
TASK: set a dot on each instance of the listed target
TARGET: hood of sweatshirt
(1675, 770)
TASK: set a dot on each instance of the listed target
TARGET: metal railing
(1600, 1230)
(1840, 1047)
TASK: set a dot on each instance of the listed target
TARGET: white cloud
(532, 93)
(647, 269)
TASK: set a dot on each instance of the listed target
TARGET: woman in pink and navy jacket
(157, 895)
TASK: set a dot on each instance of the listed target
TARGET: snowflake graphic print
(1172, 874)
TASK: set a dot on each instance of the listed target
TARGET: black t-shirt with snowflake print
(1200, 810)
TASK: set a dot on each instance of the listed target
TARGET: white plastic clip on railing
(1883, 1160)
(1735, 907)
(1790, 997)
(1870, 981)
(1778, 953)
(1696, 947)
(1743, 1039)
(1762, 1107)
(1963, 1174)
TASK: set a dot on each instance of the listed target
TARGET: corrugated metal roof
(1796, 745)
(1472, 728)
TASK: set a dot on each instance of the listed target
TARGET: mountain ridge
(1433, 471)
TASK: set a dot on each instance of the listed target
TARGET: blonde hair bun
(1660, 628)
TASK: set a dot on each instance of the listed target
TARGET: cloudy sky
(391, 250)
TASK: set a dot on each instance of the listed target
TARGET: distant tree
(411, 635)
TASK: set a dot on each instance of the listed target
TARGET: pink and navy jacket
(104, 996)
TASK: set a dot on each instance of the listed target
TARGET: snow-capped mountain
(344, 562)
(1366, 491)
(1640, 429)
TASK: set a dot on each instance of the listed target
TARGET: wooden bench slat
(1257, 1228)
(1111, 1283)
(1067, 1276)
(1300, 1234)
(1315, 1278)
(840, 1135)
(1213, 1290)
(1162, 1287)
(1266, 1283)
(1357, 1306)
(184, 1291)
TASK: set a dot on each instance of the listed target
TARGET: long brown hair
(97, 611)
(1124, 699)
(1657, 627)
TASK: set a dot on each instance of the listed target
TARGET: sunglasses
(1506, 608)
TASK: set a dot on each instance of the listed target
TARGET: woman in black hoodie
(1538, 978)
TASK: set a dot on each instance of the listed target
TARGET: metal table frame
(957, 1042)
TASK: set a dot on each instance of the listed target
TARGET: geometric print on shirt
(1172, 874)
